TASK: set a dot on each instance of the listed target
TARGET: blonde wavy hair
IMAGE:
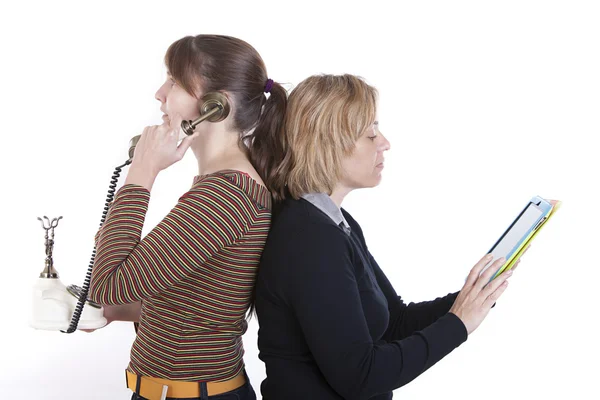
(325, 116)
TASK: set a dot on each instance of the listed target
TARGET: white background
(485, 103)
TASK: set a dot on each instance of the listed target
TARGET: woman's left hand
(157, 148)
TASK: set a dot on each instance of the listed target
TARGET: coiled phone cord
(86, 283)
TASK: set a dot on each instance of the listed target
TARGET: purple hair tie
(269, 85)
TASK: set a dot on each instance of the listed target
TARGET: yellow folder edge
(515, 257)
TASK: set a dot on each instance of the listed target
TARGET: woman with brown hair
(331, 324)
(189, 282)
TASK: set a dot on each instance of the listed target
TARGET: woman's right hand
(109, 319)
(477, 296)
(123, 312)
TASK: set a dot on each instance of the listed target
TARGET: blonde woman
(331, 324)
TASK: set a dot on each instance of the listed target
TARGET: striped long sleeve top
(194, 274)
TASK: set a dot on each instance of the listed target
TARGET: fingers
(140, 143)
(175, 122)
(515, 265)
(487, 275)
(184, 145)
(492, 298)
(186, 139)
(158, 147)
(143, 136)
(493, 285)
(476, 270)
(524, 252)
(168, 135)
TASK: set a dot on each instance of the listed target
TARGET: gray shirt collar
(324, 203)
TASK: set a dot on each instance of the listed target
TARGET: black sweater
(331, 324)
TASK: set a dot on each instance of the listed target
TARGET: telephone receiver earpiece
(214, 107)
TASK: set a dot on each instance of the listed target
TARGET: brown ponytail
(265, 143)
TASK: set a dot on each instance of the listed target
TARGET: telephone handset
(52, 300)
(214, 107)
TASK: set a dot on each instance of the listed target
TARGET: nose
(384, 144)
(161, 93)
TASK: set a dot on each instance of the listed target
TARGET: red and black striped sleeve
(209, 217)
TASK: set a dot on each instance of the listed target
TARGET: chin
(376, 181)
(366, 182)
(371, 184)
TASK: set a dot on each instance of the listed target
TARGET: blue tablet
(527, 222)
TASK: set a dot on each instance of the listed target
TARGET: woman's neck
(216, 151)
(339, 193)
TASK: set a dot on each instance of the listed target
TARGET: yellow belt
(158, 388)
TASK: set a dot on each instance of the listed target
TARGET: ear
(217, 104)
(231, 101)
